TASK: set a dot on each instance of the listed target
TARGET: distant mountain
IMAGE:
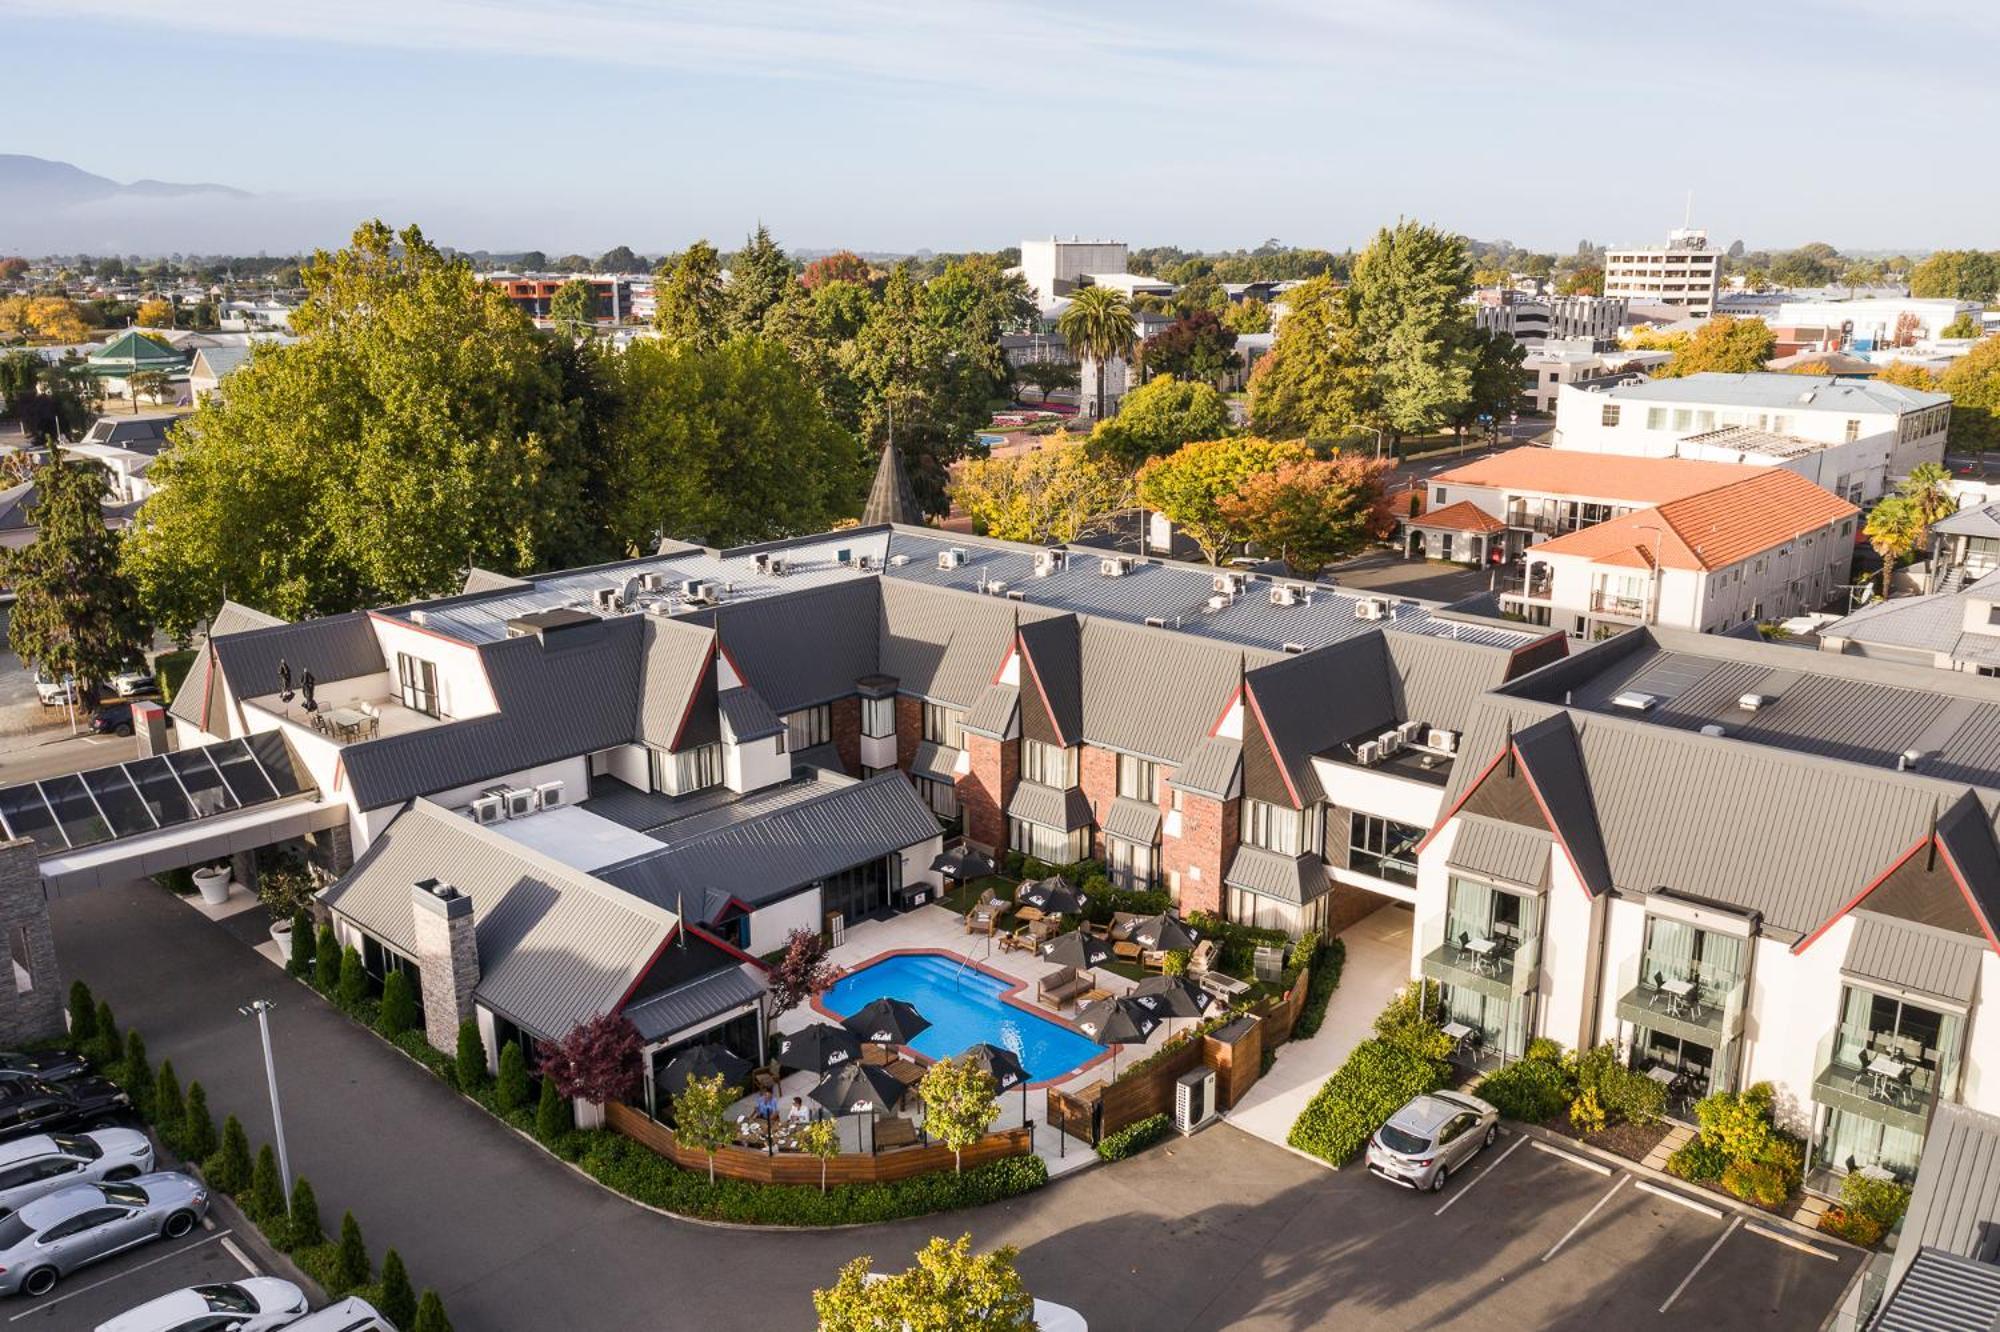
(49, 207)
(36, 182)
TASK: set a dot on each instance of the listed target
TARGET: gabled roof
(745, 716)
(1909, 956)
(996, 713)
(1212, 769)
(1501, 850)
(332, 647)
(1064, 809)
(1613, 477)
(485, 580)
(1955, 1206)
(890, 498)
(801, 650)
(942, 644)
(1713, 529)
(201, 700)
(676, 668)
(1051, 656)
(1549, 753)
(1148, 691)
(1308, 704)
(696, 1001)
(1463, 516)
(1300, 879)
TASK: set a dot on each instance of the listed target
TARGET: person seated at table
(798, 1114)
(766, 1106)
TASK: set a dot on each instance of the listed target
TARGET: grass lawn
(962, 897)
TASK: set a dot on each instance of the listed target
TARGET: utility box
(149, 724)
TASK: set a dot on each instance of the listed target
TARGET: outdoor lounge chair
(982, 919)
(1202, 959)
(1221, 986)
(1060, 986)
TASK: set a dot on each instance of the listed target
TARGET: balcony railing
(1872, 1080)
(1693, 1001)
(1498, 963)
(1612, 603)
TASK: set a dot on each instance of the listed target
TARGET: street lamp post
(261, 1008)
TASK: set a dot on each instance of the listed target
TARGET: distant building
(1054, 268)
(1684, 273)
(1558, 362)
(1532, 320)
(619, 297)
(1863, 326)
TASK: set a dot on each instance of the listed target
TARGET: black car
(29, 1105)
(112, 719)
(48, 1065)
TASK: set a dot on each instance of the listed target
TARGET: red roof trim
(1251, 696)
(661, 951)
(1554, 830)
(1215, 727)
(687, 708)
(1855, 900)
(1965, 890)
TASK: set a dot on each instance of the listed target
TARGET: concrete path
(1378, 960)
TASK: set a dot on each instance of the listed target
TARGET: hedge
(1134, 1138)
(1361, 1095)
(1327, 964)
(1533, 1091)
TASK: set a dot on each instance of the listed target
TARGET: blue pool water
(964, 1008)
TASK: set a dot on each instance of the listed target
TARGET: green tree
(948, 1288)
(1197, 346)
(1045, 377)
(326, 961)
(304, 1230)
(82, 1014)
(688, 297)
(169, 1106)
(573, 309)
(398, 1013)
(266, 1204)
(1496, 383)
(1967, 325)
(1723, 345)
(1312, 513)
(974, 301)
(552, 1113)
(468, 1068)
(1311, 385)
(511, 1089)
(1894, 529)
(1973, 381)
(108, 1040)
(1099, 328)
(1928, 489)
(136, 1076)
(75, 613)
(353, 979)
(1963, 275)
(1248, 316)
(959, 1105)
(230, 1169)
(1158, 417)
(197, 1137)
(394, 1299)
(726, 445)
(619, 259)
(1054, 494)
(430, 1314)
(301, 961)
(821, 1138)
(351, 1267)
(1814, 265)
(760, 278)
(1413, 328)
(1190, 485)
(701, 1117)
(421, 423)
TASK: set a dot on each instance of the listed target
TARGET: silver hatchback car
(56, 1234)
(1430, 1137)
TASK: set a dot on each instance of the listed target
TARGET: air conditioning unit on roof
(1366, 753)
(1045, 563)
(1284, 594)
(653, 580)
(1113, 567)
(1371, 608)
(520, 802)
(549, 795)
(487, 809)
(951, 557)
(1445, 742)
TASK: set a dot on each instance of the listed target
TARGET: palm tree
(1098, 326)
(1928, 488)
(1895, 526)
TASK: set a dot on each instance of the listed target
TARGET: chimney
(447, 958)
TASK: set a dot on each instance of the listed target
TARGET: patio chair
(982, 919)
(1659, 989)
(1060, 986)
(1202, 959)
(1154, 960)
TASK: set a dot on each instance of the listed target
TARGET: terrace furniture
(894, 1131)
(763, 1079)
(983, 918)
(1126, 952)
(1661, 1074)
(1872, 1171)
(1680, 996)
(1886, 1069)
(1268, 963)
(1017, 941)
(1026, 912)
(1154, 960)
(906, 1071)
(1092, 996)
(879, 1055)
(1060, 986)
(1460, 1035)
(1202, 959)
(1223, 987)
(1482, 951)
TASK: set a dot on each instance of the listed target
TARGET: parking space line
(1585, 1218)
(1467, 1188)
(1681, 1198)
(1791, 1242)
(96, 1285)
(240, 1256)
(1727, 1231)
(1573, 1158)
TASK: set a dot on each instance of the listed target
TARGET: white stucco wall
(755, 764)
(1794, 1002)
(463, 690)
(770, 924)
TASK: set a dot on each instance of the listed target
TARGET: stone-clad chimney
(31, 993)
(447, 957)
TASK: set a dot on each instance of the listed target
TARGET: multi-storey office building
(1684, 273)
(1740, 862)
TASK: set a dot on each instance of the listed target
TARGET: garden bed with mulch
(1631, 1141)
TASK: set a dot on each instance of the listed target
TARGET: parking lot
(1531, 1235)
(214, 1252)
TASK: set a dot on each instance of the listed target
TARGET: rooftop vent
(951, 557)
(1157, 621)
(1017, 594)
(1713, 730)
(1909, 759)
(899, 560)
(1218, 601)
(1294, 648)
(1636, 700)
(1752, 702)
(437, 888)
(843, 556)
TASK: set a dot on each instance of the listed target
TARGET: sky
(947, 124)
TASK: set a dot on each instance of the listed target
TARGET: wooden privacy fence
(800, 1168)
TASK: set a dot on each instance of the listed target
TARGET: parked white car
(259, 1304)
(31, 1167)
(348, 1315)
(135, 681)
(53, 692)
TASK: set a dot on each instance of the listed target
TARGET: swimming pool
(964, 1007)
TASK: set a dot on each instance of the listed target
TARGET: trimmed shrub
(1176, 962)
(1843, 1222)
(1756, 1181)
(197, 1138)
(399, 1006)
(468, 1069)
(326, 961)
(1327, 964)
(1134, 1138)
(510, 1092)
(303, 1230)
(1698, 1160)
(430, 1314)
(82, 1014)
(1533, 1091)
(169, 1108)
(1882, 1201)
(350, 1258)
(394, 1299)
(106, 1048)
(1361, 1095)
(552, 1114)
(354, 983)
(303, 941)
(266, 1203)
(1544, 1049)
(136, 1077)
(1586, 1114)
(1625, 1094)
(230, 1168)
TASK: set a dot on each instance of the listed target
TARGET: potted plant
(212, 882)
(286, 887)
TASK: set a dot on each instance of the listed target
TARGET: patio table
(1482, 951)
(1661, 1074)
(346, 721)
(1886, 1069)
(1459, 1033)
(1678, 993)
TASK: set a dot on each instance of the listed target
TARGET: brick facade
(847, 732)
(1201, 852)
(1097, 773)
(35, 1013)
(983, 792)
(909, 729)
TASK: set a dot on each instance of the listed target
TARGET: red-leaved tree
(598, 1061)
(1313, 513)
(801, 973)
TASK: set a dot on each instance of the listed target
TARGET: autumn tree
(1051, 494)
(1962, 275)
(1723, 345)
(12, 266)
(701, 1117)
(1191, 485)
(948, 1289)
(1587, 280)
(840, 266)
(75, 613)
(1197, 346)
(1973, 381)
(1967, 325)
(598, 1061)
(1158, 417)
(1248, 316)
(1311, 513)
(155, 313)
(801, 972)
(1908, 374)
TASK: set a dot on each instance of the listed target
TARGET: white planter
(281, 935)
(213, 884)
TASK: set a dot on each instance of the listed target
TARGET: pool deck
(934, 929)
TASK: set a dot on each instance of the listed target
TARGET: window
(690, 770)
(1609, 416)
(941, 797)
(1273, 827)
(1656, 418)
(1853, 430)
(878, 716)
(1138, 779)
(1057, 848)
(417, 684)
(808, 727)
(1050, 765)
(24, 959)
(1683, 418)
(1382, 848)
(941, 726)
(1131, 864)
(1437, 494)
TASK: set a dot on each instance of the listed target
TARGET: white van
(348, 1315)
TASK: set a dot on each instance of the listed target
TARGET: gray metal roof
(943, 645)
(700, 1000)
(996, 713)
(333, 647)
(674, 658)
(934, 761)
(1152, 692)
(802, 650)
(1935, 623)
(556, 946)
(745, 716)
(1941, 1292)
(1133, 820)
(200, 700)
(768, 857)
(1911, 956)
(1299, 879)
(1501, 850)
(485, 580)
(1980, 521)
(1955, 1205)
(1065, 809)
(1312, 703)
(825, 757)
(1212, 769)
(1779, 391)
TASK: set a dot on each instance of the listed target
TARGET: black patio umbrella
(1165, 933)
(962, 863)
(1076, 949)
(703, 1061)
(1116, 1022)
(1171, 997)
(819, 1048)
(308, 684)
(887, 1022)
(284, 680)
(1004, 1067)
(858, 1089)
(1052, 896)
